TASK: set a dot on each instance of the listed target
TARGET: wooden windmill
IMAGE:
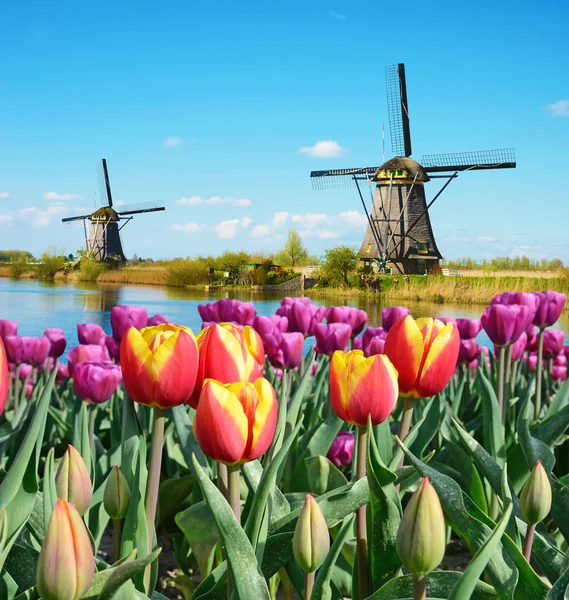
(399, 233)
(102, 236)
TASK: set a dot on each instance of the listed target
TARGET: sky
(220, 110)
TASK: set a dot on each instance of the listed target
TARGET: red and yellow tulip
(159, 364)
(228, 354)
(235, 423)
(362, 387)
(424, 352)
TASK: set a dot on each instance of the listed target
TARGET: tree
(294, 249)
(339, 262)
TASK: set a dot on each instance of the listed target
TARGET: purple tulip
(521, 298)
(354, 317)
(124, 316)
(284, 350)
(532, 361)
(504, 323)
(531, 345)
(375, 346)
(566, 351)
(86, 353)
(468, 351)
(91, 334)
(8, 328)
(272, 325)
(96, 382)
(24, 371)
(358, 344)
(342, 449)
(369, 334)
(57, 341)
(157, 319)
(331, 337)
(473, 364)
(549, 308)
(391, 314)
(519, 347)
(302, 315)
(227, 311)
(24, 349)
(113, 348)
(446, 320)
(558, 373)
(62, 373)
(560, 360)
(468, 329)
(552, 342)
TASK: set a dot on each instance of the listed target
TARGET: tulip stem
(234, 490)
(116, 540)
(419, 588)
(92, 416)
(405, 424)
(308, 585)
(153, 483)
(528, 542)
(361, 530)
(539, 373)
(222, 484)
(500, 384)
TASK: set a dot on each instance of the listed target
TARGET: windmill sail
(398, 110)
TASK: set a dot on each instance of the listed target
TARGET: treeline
(505, 263)
(8, 256)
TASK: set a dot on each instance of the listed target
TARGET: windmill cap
(401, 163)
(105, 213)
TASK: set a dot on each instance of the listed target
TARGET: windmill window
(399, 172)
(422, 247)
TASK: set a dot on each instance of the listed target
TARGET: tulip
(29, 389)
(552, 342)
(331, 337)
(8, 327)
(504, 323)
(157, 319)
(25, 371)
(4, 377)
(532, 362)
(532, 334)
(311, 541)
(519, 298)
(113, 348)
(535, 503)
(123, 317)
(227, 354)
(86, 353)
(272, 325)
(235, 423)
(558, 373)
(302, 315)
(446, 320)
(566, 351)
(96, 382)
(468, 350)
(369, 334)
(391, 314)
(355, 318)
(117, 495)
(342, 449)
(519, 347)
(57, 341)
(72, 481)
(23, 349)
(226, 310)
(549, 308)
(468, 328)
(284, 350)
(159, 365)
(560, 360)
(421, 537)
(66, 565)
(91, 334)
(362, 387)
(376, 346)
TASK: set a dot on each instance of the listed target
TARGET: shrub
(51, 261)
(18, 268)
(89, 269)
(187, 271)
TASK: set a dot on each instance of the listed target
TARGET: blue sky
(206, 106)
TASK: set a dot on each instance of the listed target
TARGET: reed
(154, 275)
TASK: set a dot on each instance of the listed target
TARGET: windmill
(399, 232)
(102, 238)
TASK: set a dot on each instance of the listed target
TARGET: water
(36, 305)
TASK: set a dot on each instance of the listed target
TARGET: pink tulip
(504, 323)
(62, 373)
(86, 353)
(468, 351)
(468, 329)
(124, 316)
(549, 308)
(113, 348)
(157, 319)
(271, 325)
(519, 346)
(91, 334)
(331, 337)
(227, 311)
(302, 315)
(342, 449)
(355, 318)
(520, 298)
(284, 350)
(552, 342)
(560, 360)
(391, 314)
(57, 341)
(8, 327)
(558, 373)
(24, 349)
(96, 382)
(375, 346)
(25, 371)
(369, 334)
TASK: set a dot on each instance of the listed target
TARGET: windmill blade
(78, 218)
(504, 158)
(143, 207)
(107, 182)
(398, 110)
(340, 178)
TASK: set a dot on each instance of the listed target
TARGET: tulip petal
(221, 426)
(404, 347)
(338, 384)
(265, 419)
(440, 362)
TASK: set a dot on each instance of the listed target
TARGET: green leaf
(465, 586)
(322, 475)
(560, 591)
(410, 438)
(49, 491)
(439, 585)
(321, 590)
(429, 428)
(300, 392)
(492, 421)
(188, 443)
(246, 574)
(560, 400)
(173, 493)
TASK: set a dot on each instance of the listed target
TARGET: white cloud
(558, 109)
(246, 221)
(485, 238)
(325, 149)
(338, 16)
(353, 218)
(26, 211)
(279, 219)
(261, 231)
(4, 195)
(310, 220)
(226, 229)
(197, 200)
(66, 196)
(187, 227)
(119, 202)
(5, 221)
(456, 239)
(169, 142)
(39, 218)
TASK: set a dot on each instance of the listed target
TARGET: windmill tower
(399, 234)
(102, 236)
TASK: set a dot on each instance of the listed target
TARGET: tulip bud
(535, 499)
(117, 495)
(3, 529)
(421, 535)
(66, 565)
(311, 542)
(72, 481)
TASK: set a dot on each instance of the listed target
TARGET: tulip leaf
(492, 421)
(246, 574)
(8, 587)
(300, 392)
(560, 590)
(560, 400)
(49, 491)
(465, 586)
(431, 419)
(21, 565)
(252, 473)
(130, 440)
(384, 516)
(188, 443)
(439, 585)
(322, 475)
(533, 448)
(173, 493)
(321, 590)
(410, 438)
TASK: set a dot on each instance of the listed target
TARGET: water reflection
(37, 305)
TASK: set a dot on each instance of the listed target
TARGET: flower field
(159, 463)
